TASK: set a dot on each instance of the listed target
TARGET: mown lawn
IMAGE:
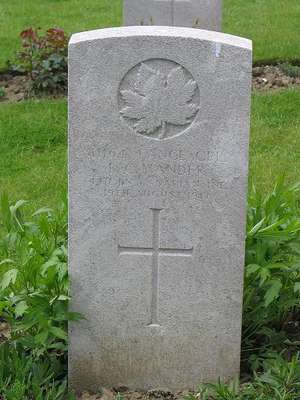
(33, 162)
(33, 145)
(275, 138)
(272, 24)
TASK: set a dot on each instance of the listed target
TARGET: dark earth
(123, 393)
(270, 77)
(12, 88)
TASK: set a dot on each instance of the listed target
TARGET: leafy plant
(34, 295)
(272, 279)
(44, 59)
(280, 380)
(2, 92)
(290, 69)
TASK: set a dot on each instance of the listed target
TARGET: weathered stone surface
(203, 14)
(158, 173)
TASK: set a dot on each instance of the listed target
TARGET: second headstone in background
(203, 14)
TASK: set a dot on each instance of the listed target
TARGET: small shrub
(2, 92)
(280, 380)
(44, 59)
(34, 295)
(290, 70)
(271, 313)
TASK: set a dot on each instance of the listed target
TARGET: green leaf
(62, 297)
(5, 211)
(19, 204)
(7, 261)
(58, 332)
(273, 292)
(278, 266)
(252, 268)
(297, 287)
(44, 210)
(290, 343)
(58, 346)
(8, 278)
(273, 226)
(20, 309)
(264, 274)
(256, 228)
(3, 305)
(41, 337)
(47, 265)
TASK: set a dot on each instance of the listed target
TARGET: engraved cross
(155, 251)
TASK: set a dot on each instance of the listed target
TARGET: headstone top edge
(162, 31)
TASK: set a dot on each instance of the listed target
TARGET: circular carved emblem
(159, 99)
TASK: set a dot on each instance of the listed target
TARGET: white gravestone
(203, 14)
(158, 152)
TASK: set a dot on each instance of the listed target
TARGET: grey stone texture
(158, 162)
(203, 14)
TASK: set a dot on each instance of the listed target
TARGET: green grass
(33, 145)
(33, 150)
(272, 24)
(275, 137)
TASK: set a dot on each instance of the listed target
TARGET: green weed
(2, 92)
(272, 275)
(290, 69)
(280, 380)
(34, 295)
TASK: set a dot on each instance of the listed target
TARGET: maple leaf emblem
(159, 99)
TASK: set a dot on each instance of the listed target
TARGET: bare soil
(17, 88)
(123, 393)
(5, 332)
(271, 77)
(14, 86)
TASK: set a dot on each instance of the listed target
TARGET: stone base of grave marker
(158, 161)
